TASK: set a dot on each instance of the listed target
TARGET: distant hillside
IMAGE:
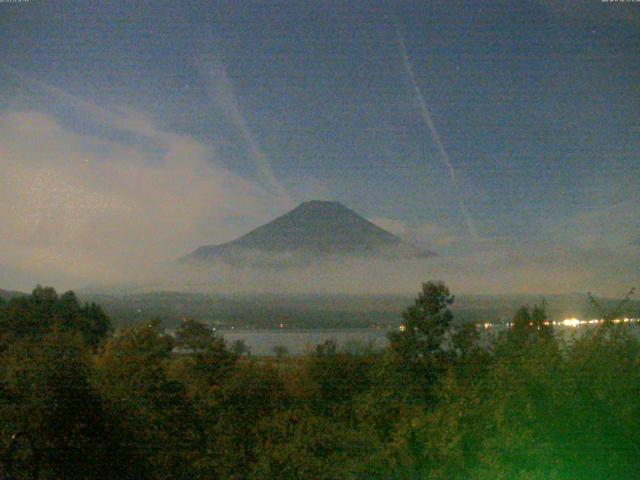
(313, 229)
(326, 311)
(9, 294)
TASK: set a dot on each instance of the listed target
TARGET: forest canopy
(442, 401)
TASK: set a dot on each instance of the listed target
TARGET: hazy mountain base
(488, 268)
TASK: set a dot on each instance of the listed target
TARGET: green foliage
(43, 312)
(444, 401)
(534, 411)
(234, 415)
(152, 415)
(336, 378)
(298, 444)
(95, 326)
(419, 351)
(280, 351)
(209, 362)
(425, 324)
(194, 334)
(47, 394)
(530, 325)
(617, 311)
(239, 348)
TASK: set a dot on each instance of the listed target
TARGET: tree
(98, 325)
(152, 413)
(522, 320)
(239, 348)
(608, 315)
(250, 396)
(48, 395)
(209, 362)
(280, 351)
(43, 311)
(530, 325)
(328, 348)
(3, 313)
(335, 378)
(419, 347)
(194, 334)
(296, 444)
(425, 324)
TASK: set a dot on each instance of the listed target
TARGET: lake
(298, 342)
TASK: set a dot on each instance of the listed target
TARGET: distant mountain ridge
(258, 310)
(9, 294)
(315, 228)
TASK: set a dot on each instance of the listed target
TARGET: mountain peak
(313, 229)
(323, 208)
(320, 205)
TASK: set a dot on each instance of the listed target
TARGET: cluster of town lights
(567, 322)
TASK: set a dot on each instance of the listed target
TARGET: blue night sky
(231, 113)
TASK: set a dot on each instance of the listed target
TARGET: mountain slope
(312, 229)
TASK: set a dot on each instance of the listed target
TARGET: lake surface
(297, 342)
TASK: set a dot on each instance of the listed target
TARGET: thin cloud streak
(426, 117)
(220, 90)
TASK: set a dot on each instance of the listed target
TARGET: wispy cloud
(426, 117)
(219, 88)
(76, 208)
(428, 235)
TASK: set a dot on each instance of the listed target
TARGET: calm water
(262, 342)
(297, 342)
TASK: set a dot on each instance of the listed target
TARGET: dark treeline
(439, 403)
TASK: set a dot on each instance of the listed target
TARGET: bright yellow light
(571, 322)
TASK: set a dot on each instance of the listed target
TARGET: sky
(505, 136)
